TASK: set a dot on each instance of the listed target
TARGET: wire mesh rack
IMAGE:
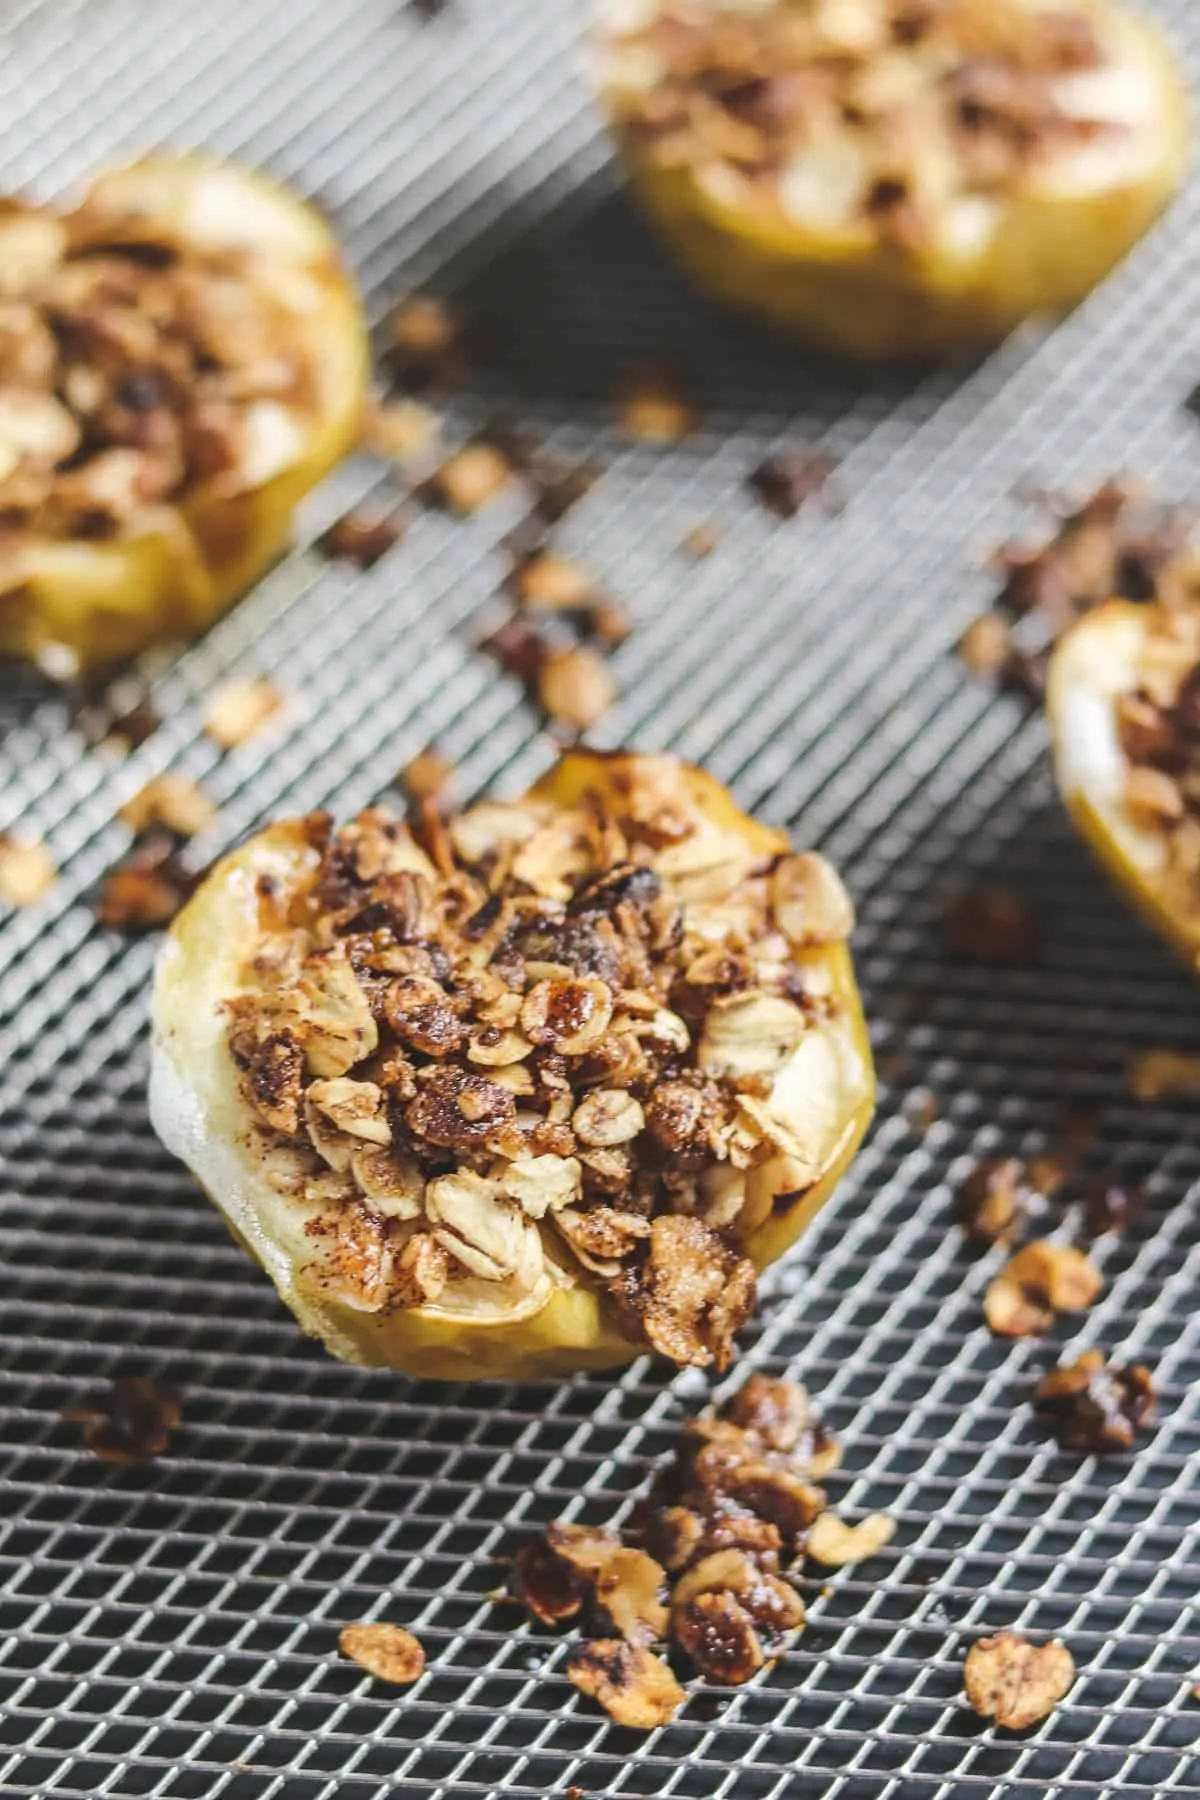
(171, 1631)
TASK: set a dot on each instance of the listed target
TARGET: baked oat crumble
(787, 481)
(1094, 1406)
(911, 124)
(171, 801)
(145, 890)
(575, 687)
(1038, 1282)
(531, 1046)
(137, 371)
(387, 1652)
(131, 1421)
(1015, 1683)
(362, 538)
(992, 1201)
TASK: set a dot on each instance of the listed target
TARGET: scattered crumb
(575, 687)
(238, 710)
(174, 802)
(103, 721)
(609, 624)
(1094, 1406)
(361, 538)
(992, 926)
(701, 541)
(832, 1542)
(1163, 1074)
(401, 430)
(1039, 1281)
(1014, 1682)
(986, 645)
(1110, 1207)
(635, 1687)
(131, 1421)
(922, 1109)
(558, 485)
(27, 870)
(146, 889)
(385, 1651)
(427, 777)
(785, 482)
(471, 477)
(993, 1200)
(428, 343)
(1048, 1170)
(546, 582)
(654, 409)
(518, 648)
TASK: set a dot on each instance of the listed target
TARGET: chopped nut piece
(809, 901)
(174, 802)
(635, 1687)
(986, 645)
(1096, 1406)
(361, 538)
(237, 711)
(545, 582)
(27, 870)
(1040, 1280)
(400, 429)
(784, 483)
(993, 1200)
(654, 409)
(427, 776)
(779, 1412)
(1014, 1682)
(993, 927)
(146, 889)
(1164, 1074)
(575, 687)
(471, 477)
(387, 1652)
(832, 1542)
(131, 1422)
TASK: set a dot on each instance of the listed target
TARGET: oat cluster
(917, 118)
(540, 1045)
(137, 370)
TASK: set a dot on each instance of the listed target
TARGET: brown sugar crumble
(1094, 1406)
(734, 1511)
(1038, 1282)
(428, 776)
(429, 344)
(533, 1045)
(1014, 1683)
(387, 1652)
(131, 1421)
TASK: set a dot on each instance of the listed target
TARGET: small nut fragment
(717, 1632)
(608, 1116)
(574, 686)
(238, 710)
(422, 1271)
(1162, 1074)
(1040, 1280)
(27, 870)
(1014, 1682)
(173, 801)
(146, 889)
(355, 1107)
(387, 1652)
(992, 926)
(701, 540)
(833, 1542)
(635, 1687)
(471, 477)
(426, 340)
(1096, 1406)
(653, 409)
(809, 901)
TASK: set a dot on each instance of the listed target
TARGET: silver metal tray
(171, 1631)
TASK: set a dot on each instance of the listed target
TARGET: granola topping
(387, 1652)
(1039, 1281)
(142, 369)
(1094, 1406)
(914, 124)
(494, 1045)
(1014, 1682)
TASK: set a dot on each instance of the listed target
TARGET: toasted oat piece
(387, 1652)
(635, 1687)
(423, 1046)
(1039, 1281)
(1015, 1683)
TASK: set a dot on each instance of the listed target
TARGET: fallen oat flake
(575, 687)
(130, 1422)
(1014, 1682)
(387, 1652)
(635, 1687)
(1162, 1074)
(27, 870)
(238, 710)
(401, 430)
(832, 1542)
(175, 802)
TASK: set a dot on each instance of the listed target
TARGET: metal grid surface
(171, 1631)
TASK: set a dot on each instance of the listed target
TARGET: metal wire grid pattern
(170, 1632)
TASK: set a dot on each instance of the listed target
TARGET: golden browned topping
(1096, 1406)
(429, 342)
(565, 1045)
(173, 802)
(137, 375)
(635, 1687)
(546, 582)
(992, 1201)
(986, 645)
(725, 1515)
(385, 1651)
(911, 122)
(1014, 1682)
(238, 710)
(832, 1542)
(131, 1421)
(1039, 1281)
(27, 870)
